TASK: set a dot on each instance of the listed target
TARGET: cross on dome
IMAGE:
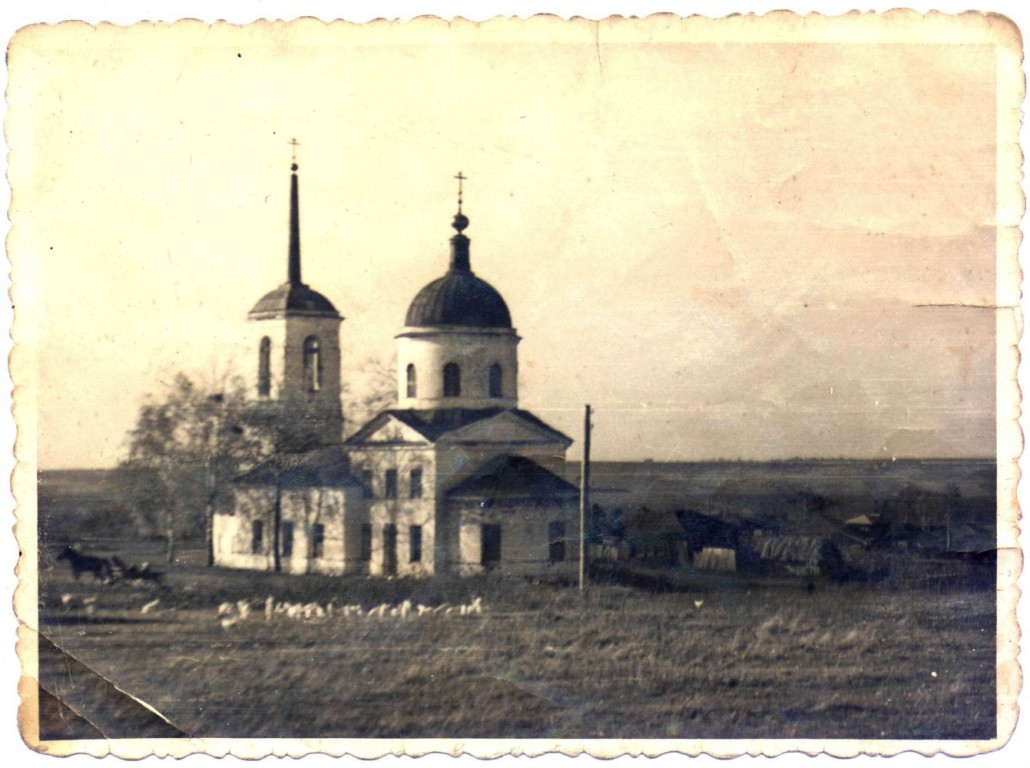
(461, 221)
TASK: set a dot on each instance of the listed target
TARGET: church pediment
(507, 428)
(387, 429)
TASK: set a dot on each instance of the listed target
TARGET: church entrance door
(491, 552)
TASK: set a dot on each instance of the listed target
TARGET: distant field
(852, 484)
(752, 660)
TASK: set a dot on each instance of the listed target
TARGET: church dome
(459, 297)
(293, 298)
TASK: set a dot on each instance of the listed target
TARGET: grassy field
(751, 660)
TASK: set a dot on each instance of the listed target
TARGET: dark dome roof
(459, 298)
(294, 298)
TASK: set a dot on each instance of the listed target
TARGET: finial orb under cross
(294, 144)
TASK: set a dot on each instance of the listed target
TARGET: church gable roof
(389, 428)
(434, 424)
(508, 477)
(327, 467)
(512, 427)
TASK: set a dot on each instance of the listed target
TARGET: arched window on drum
(312, 363)
(265, 367)
(496, 380)
(451, 380)
(412, 383)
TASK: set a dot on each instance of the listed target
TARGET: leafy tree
(187, 447)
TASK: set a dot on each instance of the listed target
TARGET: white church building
(456, 479)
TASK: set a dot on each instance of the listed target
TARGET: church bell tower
(296, 343)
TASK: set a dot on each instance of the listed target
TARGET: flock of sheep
(232, 613)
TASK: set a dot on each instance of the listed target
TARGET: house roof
(434, 423)
(321, 467)
(512, 477)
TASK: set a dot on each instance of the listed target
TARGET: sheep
(229, 621)
(152, 605)
(475, 607)
(402, 610)
(226, 609)
(698, 603)
(244, 608)
(423, 609)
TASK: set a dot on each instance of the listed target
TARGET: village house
(456, 479)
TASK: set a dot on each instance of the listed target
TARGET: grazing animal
(229, 621)
(100, 567)
(698, 603)
(143, 573)
(150, 606)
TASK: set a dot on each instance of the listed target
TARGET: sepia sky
(754, 250)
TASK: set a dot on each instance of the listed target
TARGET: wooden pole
(584, 499)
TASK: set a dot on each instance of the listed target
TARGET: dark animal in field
(141, 572)
(100, 567)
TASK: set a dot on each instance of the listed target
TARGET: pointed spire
(460, 261)
(294, 253)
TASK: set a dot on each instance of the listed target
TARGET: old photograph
(635, 385)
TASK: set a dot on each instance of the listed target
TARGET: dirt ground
(732, 659)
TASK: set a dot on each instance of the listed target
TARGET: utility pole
(584, 499)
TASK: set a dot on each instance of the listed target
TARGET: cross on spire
(460, 177)
(294, 144)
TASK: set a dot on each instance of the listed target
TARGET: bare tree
(374, 390)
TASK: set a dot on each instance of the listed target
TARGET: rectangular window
(390, 492)
(491, 552)
(366, 542)
(366, 484)
(415, 489)
(317, 540)
(287, 539)
(257, 533)
(390, 549)
(556, 539)
(415, 540)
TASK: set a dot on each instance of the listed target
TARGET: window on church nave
(411, 380)
(390, 492)
(287, 537)
(366, 484)
(365, 546)
(415, 484)
(312, 363)
(496, 390)
(265, 367)
(317, 540)
(415, 542)
(451, 380)
(257, 534)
